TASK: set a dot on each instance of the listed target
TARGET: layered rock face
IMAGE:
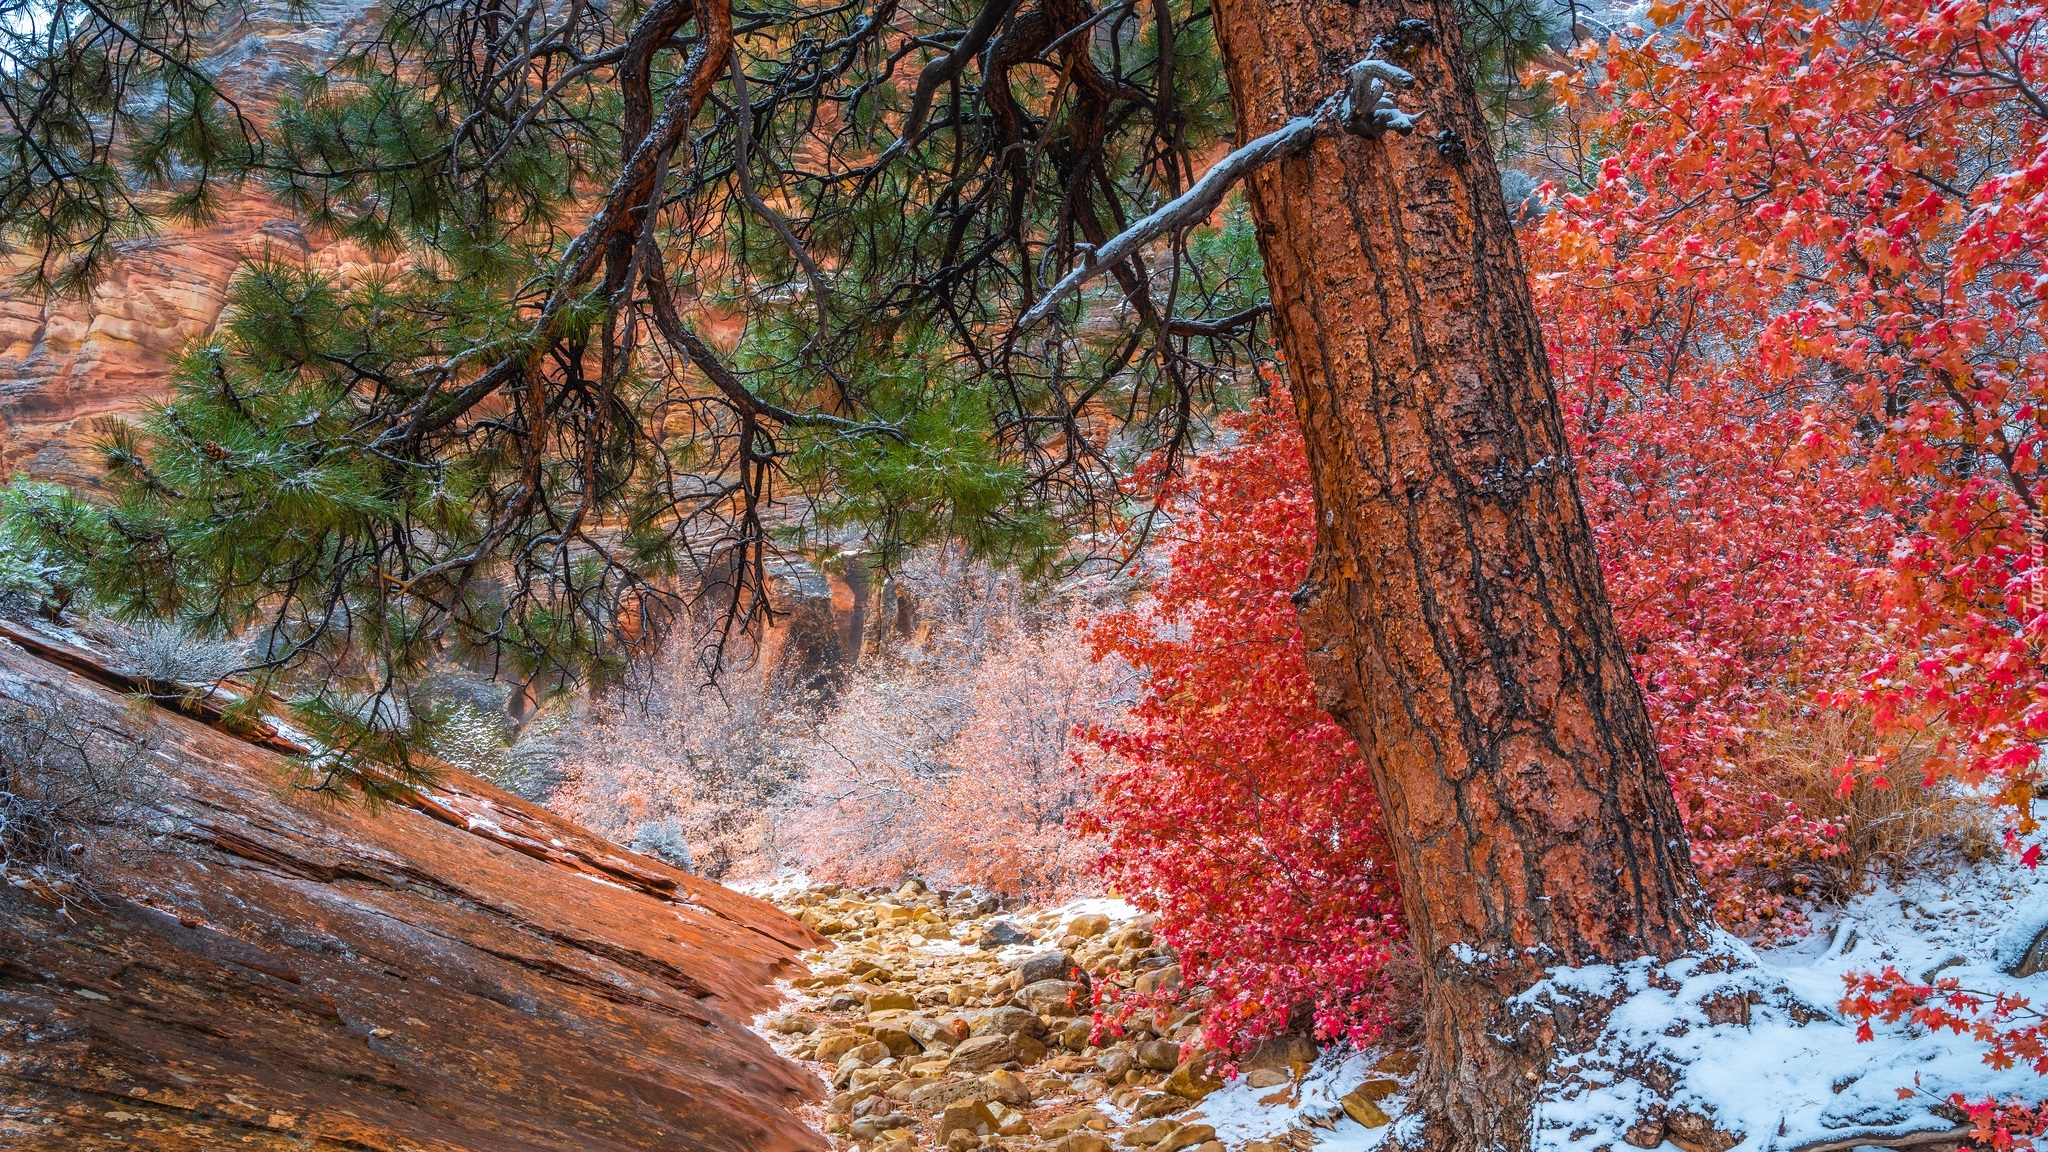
(66, 363)
(267, 969)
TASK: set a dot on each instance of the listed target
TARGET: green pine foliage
(518, 449)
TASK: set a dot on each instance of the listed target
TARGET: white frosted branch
(1366, 87)
(1183, 211)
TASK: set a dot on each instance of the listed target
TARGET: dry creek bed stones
(931, 1041)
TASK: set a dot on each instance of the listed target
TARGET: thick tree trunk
(1455, 615)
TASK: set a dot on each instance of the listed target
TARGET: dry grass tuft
(1889, 825)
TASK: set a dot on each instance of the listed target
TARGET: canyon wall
(65, 363)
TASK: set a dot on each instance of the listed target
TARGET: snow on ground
(1780, 1083)
(1238, 1116)
(1792, 1076)
(786, 882)
(1118, 910)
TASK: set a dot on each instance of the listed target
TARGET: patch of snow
(785, 883)
(1116, 909)
(1238, 1117)
(1776, 1081)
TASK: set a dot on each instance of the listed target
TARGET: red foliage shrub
(1732, 555)
(1795, 309)
(2011, 1030)
(1733, 542)
(1843, 209)
(1237, 808)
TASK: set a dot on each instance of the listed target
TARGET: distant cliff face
(466, 973)
(64, 363)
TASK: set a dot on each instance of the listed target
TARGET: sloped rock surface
(279, 971)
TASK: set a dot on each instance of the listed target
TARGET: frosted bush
(664, 839)
(164, 653)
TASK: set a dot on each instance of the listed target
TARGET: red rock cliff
(65, 362)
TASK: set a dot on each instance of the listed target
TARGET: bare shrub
(961, 773)
(166, 654)
(707, 766)
(947, 753)
(954, 759)
(71, 793)
(665, 839)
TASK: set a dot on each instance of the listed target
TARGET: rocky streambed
(951, 1020)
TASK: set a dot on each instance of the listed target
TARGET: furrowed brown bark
(1455, 614)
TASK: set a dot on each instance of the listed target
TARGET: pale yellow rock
(1378, 1090)
(1193, 1080)
(1361, 1108)
(1029, 1050)
(1008, 1087)
(982, 1053)
(1087, 1118)
(896, 1040)
(966, 1116)
(885, 1000)
(1146, 1135)
(1156, 980)
(1009, 1121)
(836, 1044)
(1086, 925)
(902, 1089)
(1159, 1104)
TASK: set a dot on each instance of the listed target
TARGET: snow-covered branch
(1364, 108)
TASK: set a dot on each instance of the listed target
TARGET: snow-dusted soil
(1795, 1075)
